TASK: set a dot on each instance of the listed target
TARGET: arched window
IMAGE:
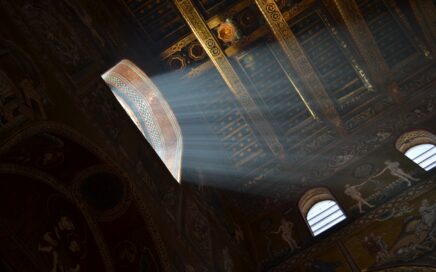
(320, 210)
(419, 146)
(150, 112)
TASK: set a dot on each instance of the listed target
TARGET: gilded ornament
(227, 32)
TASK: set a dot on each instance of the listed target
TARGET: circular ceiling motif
(196, 52)
(227, 32)
(105, 192)
(177, 62)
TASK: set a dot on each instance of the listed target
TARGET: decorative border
(136, 96)
(412, 138)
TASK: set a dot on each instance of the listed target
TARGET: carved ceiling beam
(231, 78)
(299, 61)
(213, 22)
(425, 14)
(298, 8)
(355, 23)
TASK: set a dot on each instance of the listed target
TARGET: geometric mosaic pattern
(140, 108)
(150, 112)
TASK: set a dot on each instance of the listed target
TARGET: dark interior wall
(52, 54)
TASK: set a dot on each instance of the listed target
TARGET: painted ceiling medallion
(177, 62)
(227, 32)
(196, 52)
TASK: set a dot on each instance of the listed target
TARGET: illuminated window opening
(419, 146)
(423, 155)
(324, 215)
(320, 210)
(149, 111)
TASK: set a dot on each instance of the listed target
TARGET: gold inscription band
(222, 64)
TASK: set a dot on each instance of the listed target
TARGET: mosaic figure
(354, 193)
(60, 243)
(396, 171)
(428, 213)
(286, 232)
(376, 246)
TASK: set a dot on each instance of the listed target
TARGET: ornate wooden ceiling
(297, 93)
(288, 80)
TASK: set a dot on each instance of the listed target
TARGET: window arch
(420, 147)
(149, 110)
(320, 210)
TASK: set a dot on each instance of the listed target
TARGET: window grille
(424, 155)
(324, 215)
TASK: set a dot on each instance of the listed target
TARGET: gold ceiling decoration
(227, 32)
(224, 67)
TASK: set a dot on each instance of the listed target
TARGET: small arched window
(419, 146)
(320, 210)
